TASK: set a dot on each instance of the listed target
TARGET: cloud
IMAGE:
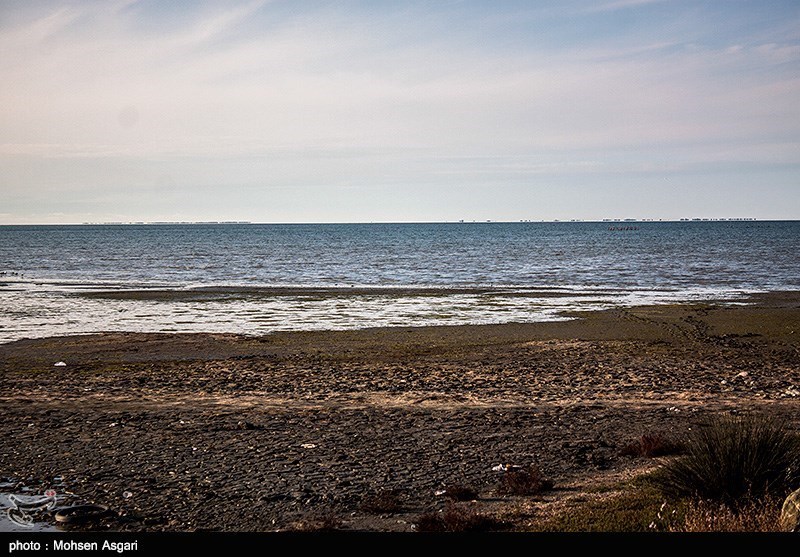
(316, 85)
(220, 23)
(273, 96)
(622, 5)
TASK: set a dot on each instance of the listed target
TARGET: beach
(407, 267)
(257, 433)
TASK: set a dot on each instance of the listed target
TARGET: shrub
(456, 519)
(460, 493)
(429, 522)
(383, 501)
(651, 446)
(733, 459)
(523, 481)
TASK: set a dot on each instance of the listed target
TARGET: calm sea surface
(220, 277)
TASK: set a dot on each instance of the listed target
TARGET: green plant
(633, 510)
(733, 459)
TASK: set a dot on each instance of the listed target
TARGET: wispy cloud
(218, 24)
(265, 93)
(622, 5)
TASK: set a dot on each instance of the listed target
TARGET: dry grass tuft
(460, 493)
(755, 516)
(525, 481)
(651, 446)
(457, 519)
(385, 501)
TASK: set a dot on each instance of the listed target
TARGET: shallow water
(472, 273)
(8, 525)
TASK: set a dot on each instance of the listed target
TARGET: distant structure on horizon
(161, 223)
(461, 221)
(683, 220)
(705, 220)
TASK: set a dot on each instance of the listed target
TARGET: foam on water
(482, 273)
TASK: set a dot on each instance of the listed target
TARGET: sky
(379, 111)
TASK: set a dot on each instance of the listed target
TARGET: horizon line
(460, 221)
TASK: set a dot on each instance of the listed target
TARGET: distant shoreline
(378, 223)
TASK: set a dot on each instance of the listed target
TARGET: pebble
(424, 448)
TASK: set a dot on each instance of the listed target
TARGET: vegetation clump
(523, 481)
(733, 460)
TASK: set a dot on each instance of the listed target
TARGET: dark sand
(227, 432)
(228, 293)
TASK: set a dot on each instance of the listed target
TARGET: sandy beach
(227, 432)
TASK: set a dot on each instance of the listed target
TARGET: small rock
(59, 364)
(507, 468)
(790, 513)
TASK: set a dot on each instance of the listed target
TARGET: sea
(255, 279)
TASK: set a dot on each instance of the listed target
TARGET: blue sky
(398, 111)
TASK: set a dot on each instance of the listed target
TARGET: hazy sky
(300, 111)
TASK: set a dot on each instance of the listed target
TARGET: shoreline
(133, 290)
(571, 324)
(234, 432)
(257, 310)
(322, 292)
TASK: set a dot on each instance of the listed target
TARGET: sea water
(338, 276)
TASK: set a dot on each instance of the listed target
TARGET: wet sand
(217, 293)
(228, 432)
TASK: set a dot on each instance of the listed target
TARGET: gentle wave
(255, 279)
(39, 311)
